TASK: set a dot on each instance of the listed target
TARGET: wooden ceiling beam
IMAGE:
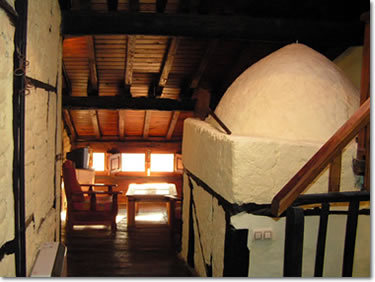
(112, 5)
(118, 102)
(167, 64)
(121, 124)
(146, 126)
(203, 63)
(130, 50)
(328, 32)
(92, 63)
(172, 124)
(69, 124)
(95, 123)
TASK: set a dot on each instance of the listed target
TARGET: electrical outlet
(262, 234)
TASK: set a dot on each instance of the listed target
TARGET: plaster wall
(350, 62)
(7, 266)
(43, 127)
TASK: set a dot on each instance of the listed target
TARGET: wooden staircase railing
(328, 154)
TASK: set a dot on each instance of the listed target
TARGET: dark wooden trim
(213, 26)
(39, 84)
(119, 102)
(293, 248)
(11, 13)
(334, 197)
(160, 5)
(350, 237)
(112, 5)
(321, 243)
(236, 252)
(19, 86)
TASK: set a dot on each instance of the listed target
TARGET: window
(162, 162)
(98, 161)
(133, 162)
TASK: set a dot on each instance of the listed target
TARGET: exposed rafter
(121, 124)
(69, 124)
(129, 62)
(214, 26)
(95, 123)
(118, 102)
(172, 124)
(93, 79)
(146, 126)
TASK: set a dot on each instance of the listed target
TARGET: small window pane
(162, 162)
(98, 161)
(133, 162)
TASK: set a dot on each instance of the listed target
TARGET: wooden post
(335, 174)
(321, 244)
(293, 250)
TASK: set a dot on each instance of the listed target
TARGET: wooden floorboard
(149, 250)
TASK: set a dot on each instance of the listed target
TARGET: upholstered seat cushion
(102, 204)
(70, 180)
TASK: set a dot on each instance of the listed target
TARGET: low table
(151, 192)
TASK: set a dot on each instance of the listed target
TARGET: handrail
(326, 154)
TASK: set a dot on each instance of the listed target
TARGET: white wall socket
(262, 234)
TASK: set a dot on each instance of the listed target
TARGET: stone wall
(7, 267)
(43, 133)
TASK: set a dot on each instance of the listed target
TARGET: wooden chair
(84, 207)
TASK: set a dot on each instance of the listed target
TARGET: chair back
(71, 183)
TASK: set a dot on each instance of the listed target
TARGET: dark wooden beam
(112, 5)
(160, 5)
(92, 63)
(146, 125)
(129, 62)
(69, 124)
(95, 123)
(121, 124)
(168, 61)
(134, 5)
(118, 102)
(172, 124)
(203, 64)
(214, 26)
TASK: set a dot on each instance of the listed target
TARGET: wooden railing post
(335, 174)
(293, 250)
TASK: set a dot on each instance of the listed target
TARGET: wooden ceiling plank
(69, 124)
(92, 63)
(118, 102)
(130, 50)
(146, 126)
(121, 124)
(95, 123)
(331, 32)
(172, 124)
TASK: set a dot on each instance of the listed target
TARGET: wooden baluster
(350, 236)
(321, 244)
(335, 174)
(293, 250)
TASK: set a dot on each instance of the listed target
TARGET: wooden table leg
(131, 212)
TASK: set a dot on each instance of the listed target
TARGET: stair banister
(326, 154)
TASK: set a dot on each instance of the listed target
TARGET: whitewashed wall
(7, 267)
(43, 140)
